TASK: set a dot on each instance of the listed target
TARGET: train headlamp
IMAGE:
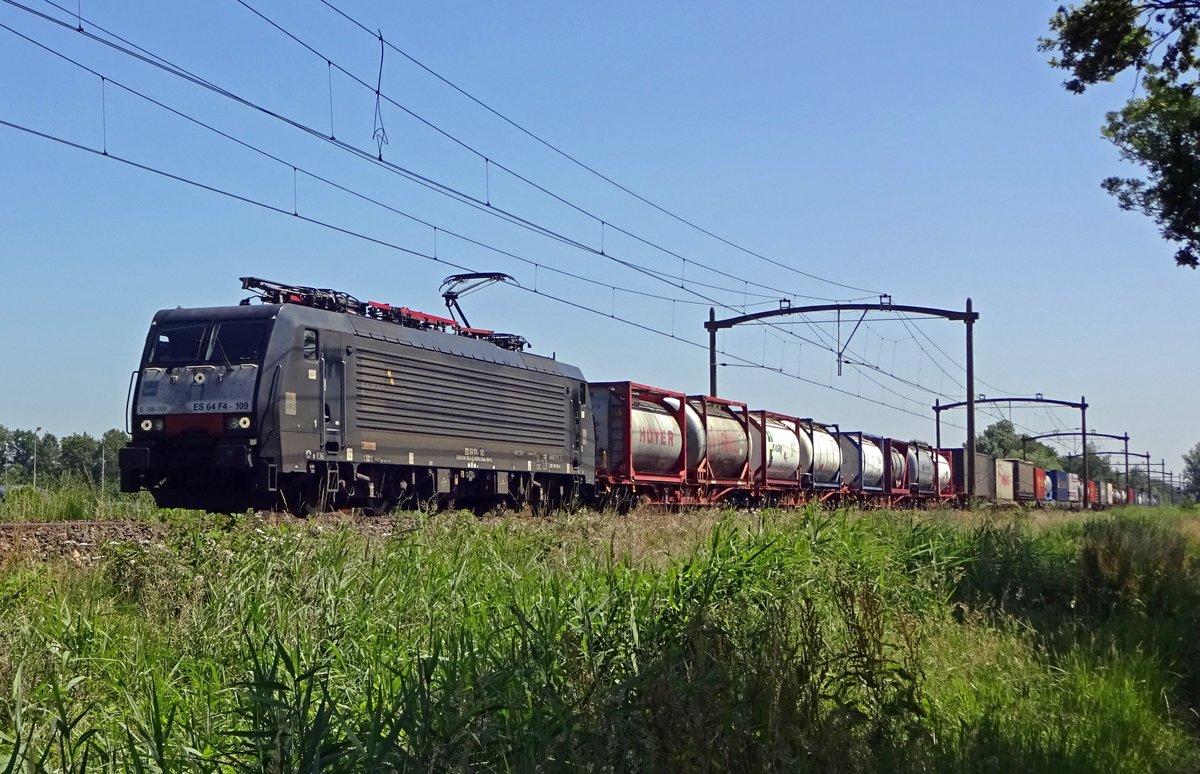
(147, 425)
(237, 423)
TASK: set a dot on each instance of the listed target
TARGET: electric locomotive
(312, 400)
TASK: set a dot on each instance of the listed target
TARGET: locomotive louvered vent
(428, 394)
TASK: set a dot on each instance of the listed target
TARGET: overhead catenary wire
(452, 192)
(296, 168)
(191, 77)
(172, 69)
(592, 170)
(327, 181)
(407, 251)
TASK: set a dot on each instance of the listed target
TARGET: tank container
(862, 460)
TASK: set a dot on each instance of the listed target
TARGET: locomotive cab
(195, 411)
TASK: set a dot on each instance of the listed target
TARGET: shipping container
(985, 475)
(895, 461)
(943, 460)
(1060, 486)
(1005, 481)
(1024, 486)
(640, 436)
(862, 461)
(825, 471)
(1039, 484)
(1076, 493)
(723, 438)
(779, 451)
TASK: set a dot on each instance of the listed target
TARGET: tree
(1159, 129)
(110, 444)
(1001, 440)
(1099, 468)
(1191, 471)
(80, 457)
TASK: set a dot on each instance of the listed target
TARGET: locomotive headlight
(237, 423)
(158, 425)
(147, 425)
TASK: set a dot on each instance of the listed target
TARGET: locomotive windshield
(221, 341)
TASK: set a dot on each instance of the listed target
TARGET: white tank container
(1005, 480)
(897, 468)
(656, 439)
(910, 460)
(695, 432)
(925, 468)
(858, 449)
(826, 456)
(728, 444)
(944, 473)
(1047, 487)
(782, 447)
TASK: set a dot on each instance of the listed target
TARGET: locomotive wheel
(378, 506)
(302, 497)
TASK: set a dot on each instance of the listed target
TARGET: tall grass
(75, 502)
(782, 642)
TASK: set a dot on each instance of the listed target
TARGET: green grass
(806, 641)
(76, 502)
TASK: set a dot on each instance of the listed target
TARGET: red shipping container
(1039, 484)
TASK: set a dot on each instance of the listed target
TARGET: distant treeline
(75, 458)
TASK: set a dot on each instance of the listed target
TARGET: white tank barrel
(897, 468)
(945, 473)
(925, 468)
(783, 450)
(728, 443)
(695, 432)
(862, 461)
(657, 442)
(826, 456)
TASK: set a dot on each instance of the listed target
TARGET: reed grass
(805, 641)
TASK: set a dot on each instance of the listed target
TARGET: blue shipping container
(1062, 486)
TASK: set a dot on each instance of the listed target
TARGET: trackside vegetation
(801, 641)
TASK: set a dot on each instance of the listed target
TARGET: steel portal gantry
(885, 305)
(970, 403)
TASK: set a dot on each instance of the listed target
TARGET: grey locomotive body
(293, 406)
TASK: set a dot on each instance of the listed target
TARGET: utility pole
(35, 445)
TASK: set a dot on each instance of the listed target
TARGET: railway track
(84, 540)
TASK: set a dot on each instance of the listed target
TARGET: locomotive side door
(333, 392)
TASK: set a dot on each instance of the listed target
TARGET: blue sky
(921, 149)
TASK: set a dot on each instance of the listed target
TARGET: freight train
(311, 400)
